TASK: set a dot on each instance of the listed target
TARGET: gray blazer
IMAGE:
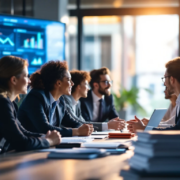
(77, 115)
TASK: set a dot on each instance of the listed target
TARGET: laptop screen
(156, 117)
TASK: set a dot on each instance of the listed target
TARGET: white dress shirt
(169, 117)
(96, 104)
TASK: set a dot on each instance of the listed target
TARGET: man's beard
(103, 91)
(170, 89)
(169, 93)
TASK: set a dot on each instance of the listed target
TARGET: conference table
(34, 165)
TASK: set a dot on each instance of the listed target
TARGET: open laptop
(156, 118)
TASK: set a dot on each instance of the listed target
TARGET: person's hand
(145, 121)
(85, 130)
(134, 125)
(116, 124)
(53, 137)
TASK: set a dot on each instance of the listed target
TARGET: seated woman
(14, 81)
(80, 89)
(43, 108)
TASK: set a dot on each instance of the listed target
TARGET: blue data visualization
(35, 40)
(37, 61)
(6, 39)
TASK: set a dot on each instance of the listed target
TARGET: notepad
(101, 145)
(100, 133)
(76, 139)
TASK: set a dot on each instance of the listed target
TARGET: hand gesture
(53, 137)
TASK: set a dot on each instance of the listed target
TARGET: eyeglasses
(164, 78)
(107, 82)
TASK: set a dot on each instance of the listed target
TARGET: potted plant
(127, 98)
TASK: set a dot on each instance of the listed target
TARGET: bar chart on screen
(32, 43)
(28, 39)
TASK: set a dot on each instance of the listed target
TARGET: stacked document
(156, 154)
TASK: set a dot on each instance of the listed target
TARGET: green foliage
(128, 98)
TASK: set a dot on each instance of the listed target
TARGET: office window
(102, 45)
(71, 54)
(156, 44)
(72, 4)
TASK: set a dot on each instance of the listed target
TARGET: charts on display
(37, 41)
(6, 39)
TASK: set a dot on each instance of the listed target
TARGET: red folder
(121, 135)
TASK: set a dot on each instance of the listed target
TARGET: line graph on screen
(6, 40)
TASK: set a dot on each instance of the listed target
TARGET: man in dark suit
(99, 106)
(171, 80)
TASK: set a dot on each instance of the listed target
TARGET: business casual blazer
(12, 135)
(34, 113)
(108, 109)
(69, 120)
(76, 115)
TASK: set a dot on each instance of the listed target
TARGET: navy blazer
(108, 109)
(12, 135)
(34, 113)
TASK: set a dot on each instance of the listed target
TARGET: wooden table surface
(35, 166)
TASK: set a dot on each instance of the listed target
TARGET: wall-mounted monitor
(36, 40)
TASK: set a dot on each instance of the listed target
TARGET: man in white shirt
(169, 117)
(99, 105)
(171, 80)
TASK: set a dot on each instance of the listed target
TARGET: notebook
(77, 153)
(156, 117)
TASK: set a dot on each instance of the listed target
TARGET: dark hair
(10, 66)
(173, 68)
(79, 76)
(96, 73)
(49, 73)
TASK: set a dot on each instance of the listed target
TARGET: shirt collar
(52, 99)
(96, 98)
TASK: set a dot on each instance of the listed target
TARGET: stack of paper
(156, 154)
